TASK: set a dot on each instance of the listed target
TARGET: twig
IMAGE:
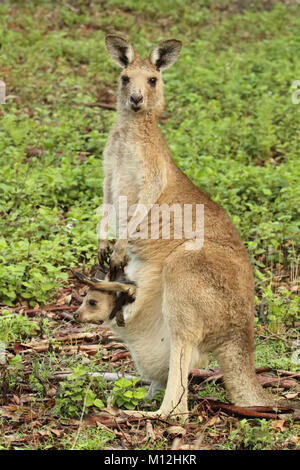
(254, 411)
(81, 417)
(66, 316)
(289, 373)
(108, 376)
(50, 308)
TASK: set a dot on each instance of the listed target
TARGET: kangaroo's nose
(136, 99)
(76, 315)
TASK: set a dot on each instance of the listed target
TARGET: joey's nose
(76, 315)
(136, 99)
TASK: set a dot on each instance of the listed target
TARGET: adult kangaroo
(193, 296)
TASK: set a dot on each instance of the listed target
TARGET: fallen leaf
(291, 396)
(44, 433)
(212, 421)
(278, 424)
(176, 431)
(16, 400)
(57, 432)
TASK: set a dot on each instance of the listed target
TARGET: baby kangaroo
(195, 288)
(104, 297)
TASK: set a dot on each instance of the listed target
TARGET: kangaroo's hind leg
(185, 328)
(236, 359)
(175, 399)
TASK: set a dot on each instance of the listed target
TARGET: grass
(231, 126)
(92, 439)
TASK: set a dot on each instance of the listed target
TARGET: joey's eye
(152, 81)
(92, 303)
(125, 79)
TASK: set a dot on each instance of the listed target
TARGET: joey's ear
(81, 277)
(121, 52)
(165, 54)
(94, 283)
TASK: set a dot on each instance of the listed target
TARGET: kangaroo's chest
(124, 165)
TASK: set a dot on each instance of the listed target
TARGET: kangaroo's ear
(165, 54)
(121, 52)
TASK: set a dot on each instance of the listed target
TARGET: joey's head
(140, 83)
(96, 307)
(97, 304)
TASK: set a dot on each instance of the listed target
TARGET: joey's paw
(131, 291)
(120, 319)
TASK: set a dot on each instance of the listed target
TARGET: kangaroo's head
(140, 84)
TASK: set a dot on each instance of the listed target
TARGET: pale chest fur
(123, 166)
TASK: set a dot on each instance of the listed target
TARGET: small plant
(282, 307)
(247, 437)
(124, 393)
(11, 374)
(15, 327)
(78, 393)
(40, 376)
(213, 390)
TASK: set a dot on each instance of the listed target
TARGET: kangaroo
(189, 301)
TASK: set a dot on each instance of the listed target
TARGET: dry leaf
(295, 439)
(278, 424)
(212, 421)
(44, 433)
(16, 400)
(291, 396)
(57, 432)
(176, 431)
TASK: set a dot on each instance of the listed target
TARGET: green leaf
(90, 398)
(98, 403)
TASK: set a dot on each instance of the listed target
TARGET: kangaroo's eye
(152, 81)
(125, 79)
(92, 303)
